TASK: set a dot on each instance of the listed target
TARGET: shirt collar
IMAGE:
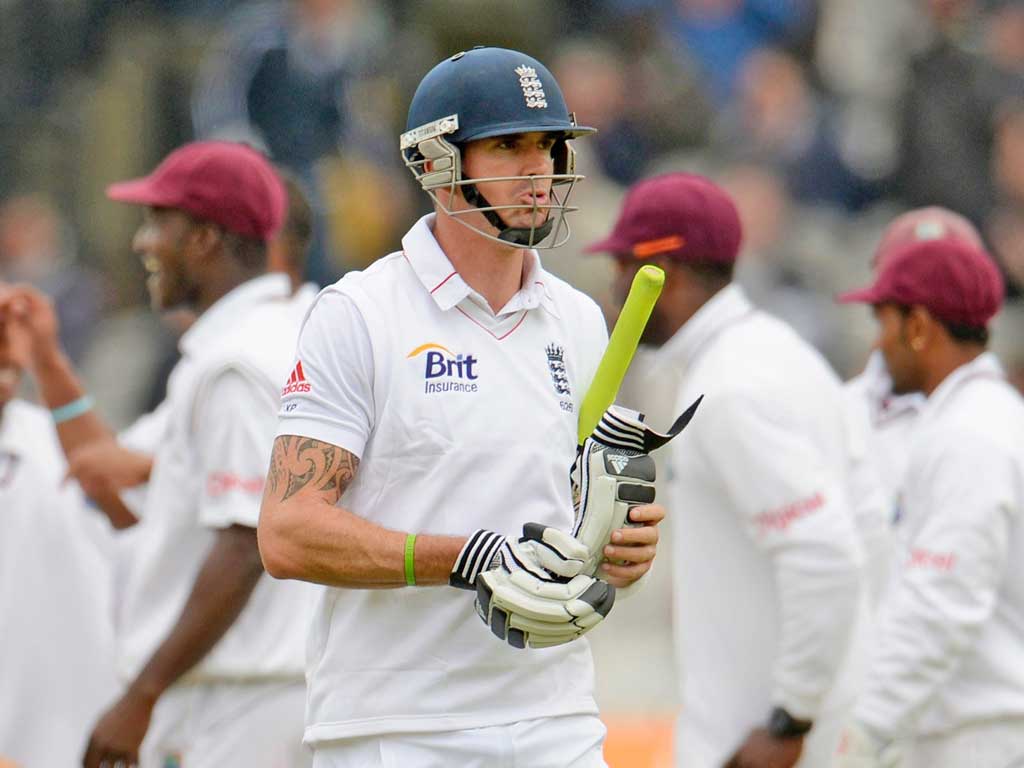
(986, 365)
(446, 286)
(724, 308)
(223, 315)
(878, 388)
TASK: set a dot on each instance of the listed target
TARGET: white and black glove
(860, 748)
(613, 473)
(531, 592)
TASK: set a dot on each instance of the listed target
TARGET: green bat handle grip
(643, 295)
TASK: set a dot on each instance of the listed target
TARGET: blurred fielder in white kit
(212, 652)
(890, 417)
(945, 687)
(767, 554)
(56, 588)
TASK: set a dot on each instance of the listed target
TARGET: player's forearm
(306, 538)
(59, 385)
(818, 609)
(220, 593)
(930, 622)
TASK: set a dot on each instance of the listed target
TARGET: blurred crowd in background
(823, 118)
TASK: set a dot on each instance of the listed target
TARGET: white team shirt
(767, 558)
(208, 474)
(463, 418)
(56, 615)
(892, 419)
(950, 651)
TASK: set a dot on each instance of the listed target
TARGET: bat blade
(643, 295)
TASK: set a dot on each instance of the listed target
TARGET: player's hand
(613, 491)
(531, 592)
(632, 549)
(103, 468)
(33, 318)
(763, 750)
(116, 739)
(859, 748)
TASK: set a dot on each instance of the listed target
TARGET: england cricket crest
(533, 89)
(556, 367)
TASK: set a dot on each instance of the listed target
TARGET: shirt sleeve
(794, 508)
(948, 582)
(234, 428)
(329, 395)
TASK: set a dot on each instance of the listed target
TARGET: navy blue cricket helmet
(479, 94)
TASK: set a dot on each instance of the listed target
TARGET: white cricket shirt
(767, 557)
(56, 591)
(208, 474)
(463, 418)
(950, 651)
(892, 419)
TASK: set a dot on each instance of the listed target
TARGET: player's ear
(206, 238)
(920, 327)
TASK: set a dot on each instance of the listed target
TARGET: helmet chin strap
(524, 236)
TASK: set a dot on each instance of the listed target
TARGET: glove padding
(859, 748)
(533, 595)
(614, 473)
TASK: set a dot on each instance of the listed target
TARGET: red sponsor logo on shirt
(936, 561)
(220, 483)
(296, 382)
(781, 518)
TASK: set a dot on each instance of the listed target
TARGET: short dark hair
(247, 251)
(966, 334)
(298, 223)
(713, 274)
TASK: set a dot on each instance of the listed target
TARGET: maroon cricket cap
(957, 282)
(931, 223)
(229, 184)
(680, 215)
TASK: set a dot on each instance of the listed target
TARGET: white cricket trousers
(995, 744)
(571, 741)
(228, 725)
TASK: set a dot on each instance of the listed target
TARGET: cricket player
(106, 468)
(431, 413)
(56, 645)
(945, 686)
(892, 415)
(768, 559)
(212, 652)
(56, 641)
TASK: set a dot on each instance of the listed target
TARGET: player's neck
(493, 270)
(947, 360)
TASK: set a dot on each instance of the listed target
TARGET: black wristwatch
(783, 725)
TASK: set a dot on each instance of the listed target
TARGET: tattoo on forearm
(301, 462)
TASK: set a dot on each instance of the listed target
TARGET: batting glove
(531, 592)
(860, 748)
(614, 473)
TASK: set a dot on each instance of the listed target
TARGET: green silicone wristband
(410, 560)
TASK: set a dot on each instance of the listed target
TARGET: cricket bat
(643, 294)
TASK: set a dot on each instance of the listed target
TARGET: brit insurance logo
(446, 371)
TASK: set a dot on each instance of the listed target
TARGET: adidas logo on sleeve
(296, 382)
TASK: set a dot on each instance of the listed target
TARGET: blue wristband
(72, 410)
